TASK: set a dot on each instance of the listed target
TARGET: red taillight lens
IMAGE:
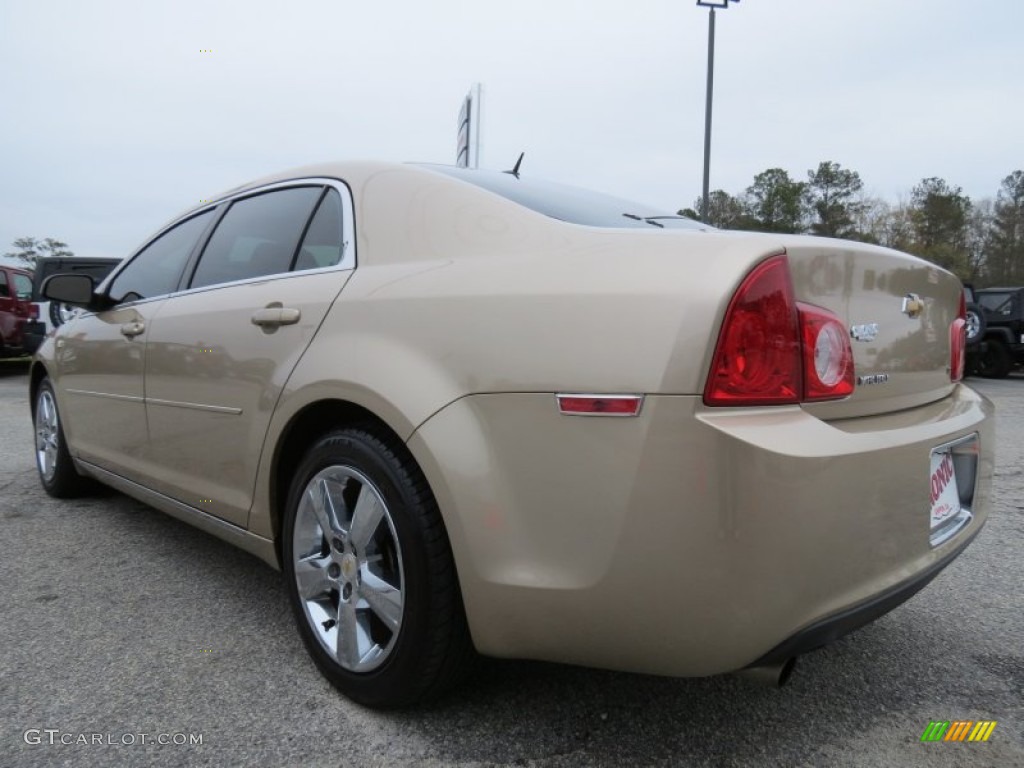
(757, 360)
(958, 342)
(828, 357)
(33, 311)
(772, 351)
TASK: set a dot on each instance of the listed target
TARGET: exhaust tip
(770, 675)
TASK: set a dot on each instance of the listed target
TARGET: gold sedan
(468, 411)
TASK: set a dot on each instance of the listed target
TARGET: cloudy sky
(114, 116)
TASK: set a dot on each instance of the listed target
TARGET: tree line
(30, 249)
(981, 241)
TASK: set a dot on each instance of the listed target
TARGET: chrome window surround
(348, 232)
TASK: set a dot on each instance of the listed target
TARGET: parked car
(15, 309)
(471, 411)
(48, 315)
(1001, 337)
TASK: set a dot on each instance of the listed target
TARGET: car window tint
(257, 236)
(157, 268)
(4, 290)
(22, 286)
(322, 246)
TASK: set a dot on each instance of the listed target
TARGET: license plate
(954, 469)
(944, 492)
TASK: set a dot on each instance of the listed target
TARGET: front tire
(369, 572)
(57, 472)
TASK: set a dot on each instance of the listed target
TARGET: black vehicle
(1002, 332)
(52, 314)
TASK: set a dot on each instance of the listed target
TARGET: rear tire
(56, 469)
(369, 572)
(994, 361)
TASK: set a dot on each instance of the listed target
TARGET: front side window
(157, 268)
(258, 236)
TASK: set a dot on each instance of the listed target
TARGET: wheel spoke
(323, 508)
(365, 518)
(311, 575)
(348, 635)
(383, 599)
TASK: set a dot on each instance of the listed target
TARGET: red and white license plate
(945, 495)
(954, 470)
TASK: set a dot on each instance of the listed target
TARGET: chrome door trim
(195, 406)
(108, 395)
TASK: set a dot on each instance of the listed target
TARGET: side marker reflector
(600, 405)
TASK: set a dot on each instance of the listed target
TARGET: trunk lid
(898, 310)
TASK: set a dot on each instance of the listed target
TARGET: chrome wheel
(47, 432)
(973, 325)
(348, 568)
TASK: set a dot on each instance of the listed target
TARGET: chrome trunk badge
(873, 378)
(864, 331)
(912, 305)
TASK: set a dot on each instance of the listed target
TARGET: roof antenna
(515, 168)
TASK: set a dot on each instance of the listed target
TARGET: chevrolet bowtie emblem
(912, 305)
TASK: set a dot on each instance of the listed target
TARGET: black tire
(976, 324)
(431, 650)
(60, 479)
(994, 361)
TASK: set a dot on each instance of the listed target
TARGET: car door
(100, 357)
(220, 353)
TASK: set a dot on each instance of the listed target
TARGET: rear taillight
(958, 342)
(33, 311)
(828, 358)
(773, 351)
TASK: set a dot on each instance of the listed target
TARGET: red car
(15, 308)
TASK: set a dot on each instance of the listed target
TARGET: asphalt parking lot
(121, 624)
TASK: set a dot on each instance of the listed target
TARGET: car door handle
(274, 316)
(132, 330)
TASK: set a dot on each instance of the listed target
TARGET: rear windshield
(571, 204)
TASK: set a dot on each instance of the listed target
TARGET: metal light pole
(711, 5)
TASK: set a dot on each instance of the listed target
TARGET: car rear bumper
(831, 628)
(688, 541)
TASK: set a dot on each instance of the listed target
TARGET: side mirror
(69, 289)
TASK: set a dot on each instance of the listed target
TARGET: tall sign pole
(707, 117)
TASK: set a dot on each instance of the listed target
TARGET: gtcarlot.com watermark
(55, 736)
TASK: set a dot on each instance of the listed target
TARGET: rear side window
(258, 236)
(996, 303)
(22, 286)
(157, 268)
(323, 244)
(4, 289)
